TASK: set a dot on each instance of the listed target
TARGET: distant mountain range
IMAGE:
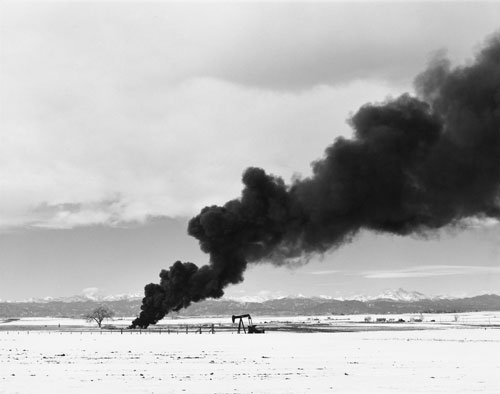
(80, 298)
(399, 301)
(394, 295)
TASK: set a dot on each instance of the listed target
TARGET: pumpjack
(252, 328)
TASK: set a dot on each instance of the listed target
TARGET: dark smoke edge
(414, 165)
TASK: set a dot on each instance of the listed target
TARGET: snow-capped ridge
(393, 295)
(82, 298)
(402, 295)
(399, 295)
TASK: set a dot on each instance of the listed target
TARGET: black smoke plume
(414, 164)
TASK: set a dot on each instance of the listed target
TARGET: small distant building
(381, 320)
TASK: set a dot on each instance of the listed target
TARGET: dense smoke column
(462, 175)
(182, 284)
(244, 229)
(414, 165)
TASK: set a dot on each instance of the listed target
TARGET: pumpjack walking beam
(252, 329)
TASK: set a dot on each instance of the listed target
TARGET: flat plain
(447, 357)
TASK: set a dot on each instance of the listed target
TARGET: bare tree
(99, 314)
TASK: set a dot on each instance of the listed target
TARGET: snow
(402, 295)
(446, 360)
(45, 321)
(357, 322)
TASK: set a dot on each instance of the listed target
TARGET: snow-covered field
(428, 320)
(446, 360)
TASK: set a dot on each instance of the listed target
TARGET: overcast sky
(119, 121)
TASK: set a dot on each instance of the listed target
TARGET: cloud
(431, 271)
(101, 161)
(120, 112)
(295, 46)
(324, 272)
(482, 223)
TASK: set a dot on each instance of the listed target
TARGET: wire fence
(308, 324)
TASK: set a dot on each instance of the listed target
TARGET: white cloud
(430, 271)
(481, 223)
(324, 272)
(186, 148)
(117, 112)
